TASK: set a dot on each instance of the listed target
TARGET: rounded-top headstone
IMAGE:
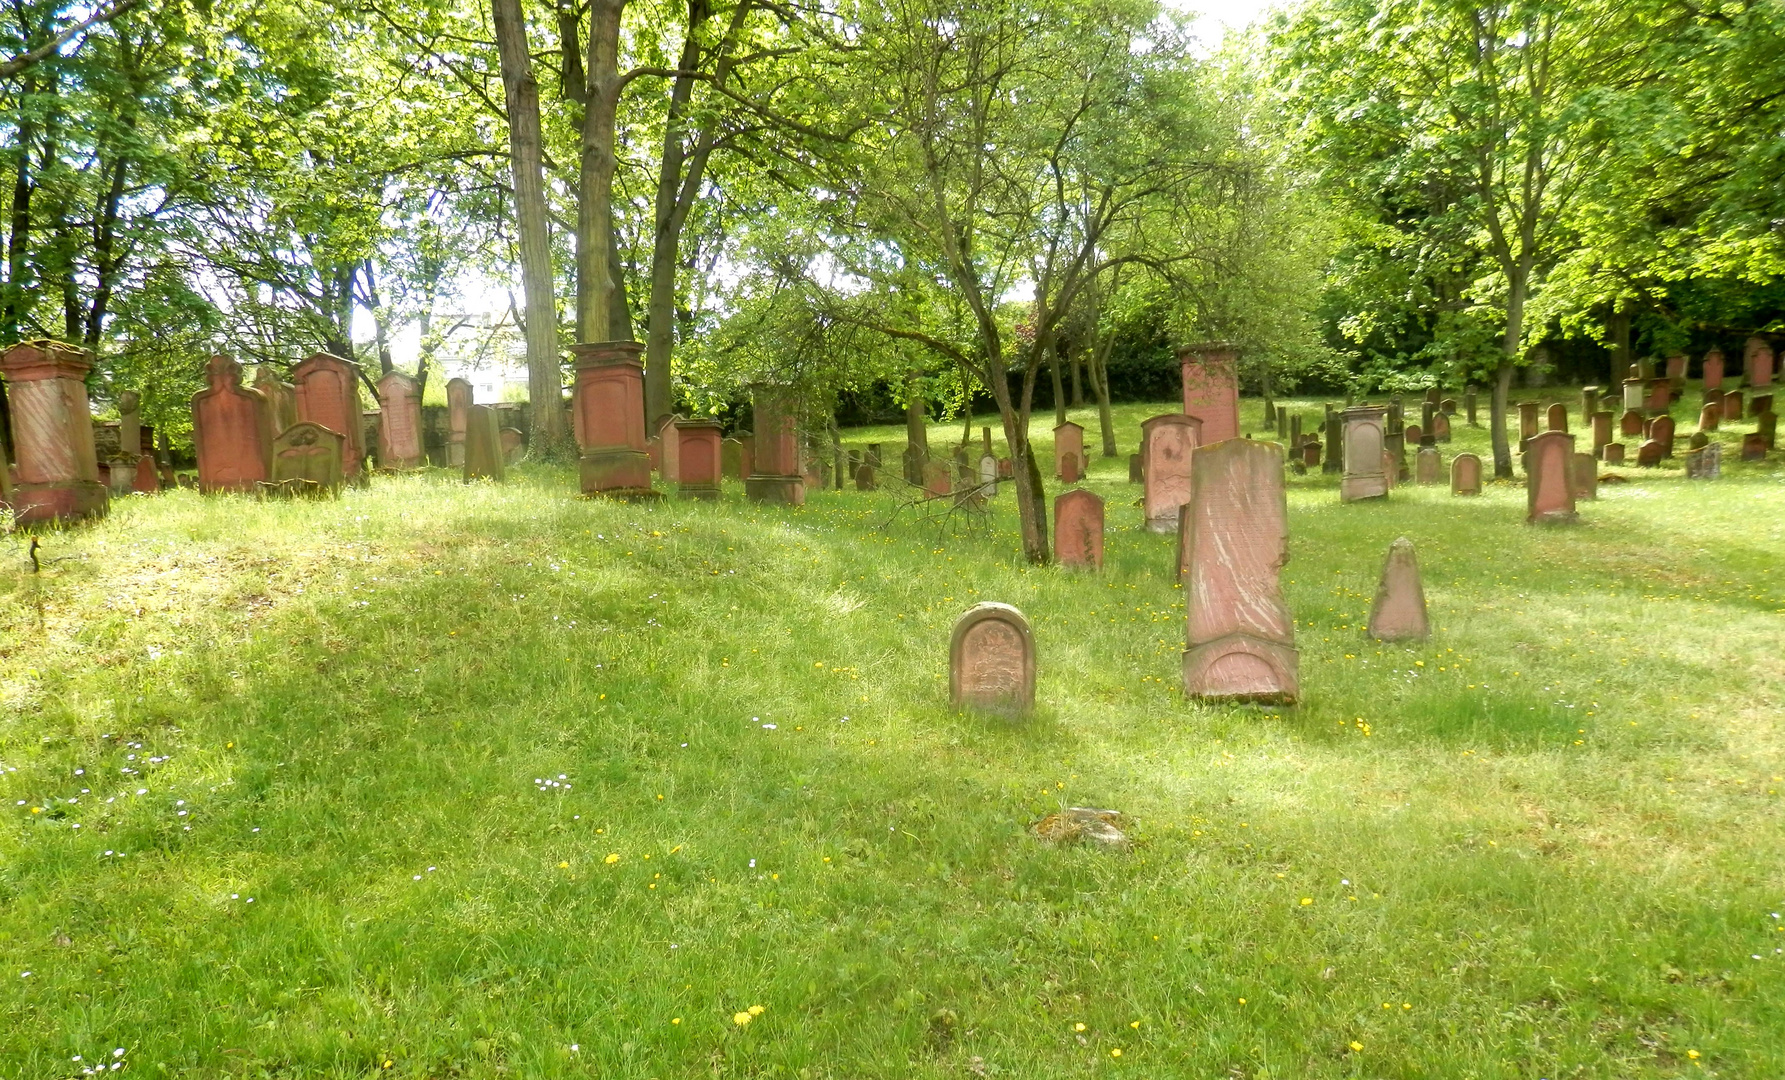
(991, 661)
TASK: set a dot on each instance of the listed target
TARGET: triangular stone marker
(1399, 613)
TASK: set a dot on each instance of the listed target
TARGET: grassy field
(442, 780)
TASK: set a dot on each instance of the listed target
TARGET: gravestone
(1412, 433)
(1601, 432)
(1558, 417)
(864, 478)
(1441, 428)
(1428, 413)
(1648, 454)
(514, 445)
(483, 445)
(307, 459)
(458, 408)
(775, 449)
(698, 459)
(327, 389)
(1391, 468)
(1069, 468)
(874, 455)
(399, 433)
(1757, 362)
(1613, 453)
(1211, 390)
(1705, 462)
(1760, 403)
(1713, 369)
(1169, 443)
(1006, 469)
(935, 478)
(1136, 474)
(1069, 441)
(145, 482)
(1711, 416)
(991, 661)
(1311, 453)
(279, 396)
(1448, 406)
(1732, 405)
(1365, 476)
(669, 447)
(1282, 425)
(1399, 612)
(1661, 431)
(1240, 639)
(1658, 396)
(1428, 466)
(1295, 433)
(608, 419)
(1767, 427)
(1753, 447)
(1335, 442)
(1078, 529)
(1630, 423)
(52, 430)
(232, 431)
(1586, 476)
(988, 473)
(1469, 405)
(1634, 394)
(130, 425)
(1465, 475)
(1549, 490)
(1527, 422)
(1676, 368)
(731, 458)
(1589, 401)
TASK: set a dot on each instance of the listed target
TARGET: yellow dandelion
(612, 858)
(564, 866)
(1306, 900)
(676, 1020)
(1135, 1025)
(1693, 1054)
(1356, 1047)
(742, 1018)
(1078, 1027)
(1117, 1052)
(757, 1010)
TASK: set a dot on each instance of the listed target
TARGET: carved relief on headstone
(231, 430)
(1168, 445)
(1365, 476)
(307, 458)
(1549, 488)
(1399, 611)
(1465, 475)
(1240, 639)
(991, 661)
(1078, 529)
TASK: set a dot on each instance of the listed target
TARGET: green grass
(1547, 844)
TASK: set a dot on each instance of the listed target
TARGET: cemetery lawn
(441, 780)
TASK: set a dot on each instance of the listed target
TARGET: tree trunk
(545, 375)
(1099, 370)
(1078, 396)
(1497, 419)
(18, 241)
(1031, 498)
(595, 186)
(1053, 364)
(837, 469)
(1620, 348)
(105, 264)
(1518, 281)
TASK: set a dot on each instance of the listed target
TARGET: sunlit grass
(505, 772)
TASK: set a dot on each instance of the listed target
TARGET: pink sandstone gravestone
(669, 447)
(1240, 639)
(1676, 368)
(1732, 405)
(697, 457)
(1212, 389)
(146, 482)
(1365, 476)
(608, 404)
(280, 398)
(991, 661)
(1630, 423)
(1428, 466)
(1713, 369)
(458, 407)
(1168, 445)
(1648, 454)
(1661, 430)
(1549, 491)
(328, 394)
(1069, 439)
(1757, 362)
(1399, 612)
(1658, 396)
(231, 430)
(1558, 417)
(399, 436)
(1585, 477)
(1601, 431)
(1465, 475)
(307, 459)
(52, 429)
(1612, 453)
(1078, 529)
(777, 476)
(514, 445)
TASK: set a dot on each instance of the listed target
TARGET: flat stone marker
(1428, 466)
(1465, 475)
(1549, 489)
(1212, 390)
(1586, 476)
(1069, 441)
(399, 435)
(1078, 529)
(1612, 453)
(1630, 423)
(307, 457)
(1365, 476)
(991, 661)
(608, 419)
(775, 450)
(52, 428)
(1557, 417)
(231, 430)
(698, 458)
(1239, 637)
(328, 394)
(1169, 444)
(1399, 613)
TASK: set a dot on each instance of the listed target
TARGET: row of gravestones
(1239, 633)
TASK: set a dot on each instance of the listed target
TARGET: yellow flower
(677, 1020)
(613, 857)
(564, 866)
(1693, 1054)
(1357, 1047)
(1306, 900)
(1078, 1027)
(1135, 1025)
(757, 1010)
(1117, 1052)
(740, 1019)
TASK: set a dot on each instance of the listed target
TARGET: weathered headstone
(1648, 454)
(1549, 491)
(1760, 403)
(1612, 453)
(1441, 428)
(936, 479)
(1078, 529)
(130, 425)
(1527, 422)
(1630, 423)
(988, 473)
(778, 477)
(991, 661)
(700, 470)
(1069, 468)
(873, 458)
(1657, 396)
(1365, 476)
(1589, 401)
(399, 434)
(307, 459)
(1661, 431)
(1757, 362)
(1282, 425)
(52, 429)
(1601, 432)
(1428, 466)
(1586, 476)
(1465, 475)
(1412, 433)
(1136, 473)
(1335, 442)
(608, 410)
(1311, 453)
(514, 445)
(1399, 612)
(1710, 418)
(1558, 417)
(669, 447)
(1448, 406)
(731, 458)
(483, 445)
(1212, 390)
(1713, 369)
(231, 430)
(1069, 440)
(1169, 443)
(1767, 427)
(864, 478)
(915, 460)
(1469, 405)
(1634, 392)
(145, 482)
(1705, 462)
(458, 407)
(1732, 405)
(1753, 447)
(1240, 639)
(280, 398)
(327, 389)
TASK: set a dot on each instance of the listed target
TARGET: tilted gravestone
(1078, 529)
(991, 661)
(1710, 418)
(1661, 431)
(1465, 475)
(307, 459)
(1549, 487)
(52, 429)
(483, 445)
(1648, 455)
(1169, 444)
(1705, 462)
(232, 431)
(1441, 427)
(1399, 611)
(1239, 637)
(1365, 474)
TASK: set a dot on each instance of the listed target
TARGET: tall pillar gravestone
(52, 429)
(608, 406)
(1212, 389)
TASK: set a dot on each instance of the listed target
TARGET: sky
(1215, 17)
